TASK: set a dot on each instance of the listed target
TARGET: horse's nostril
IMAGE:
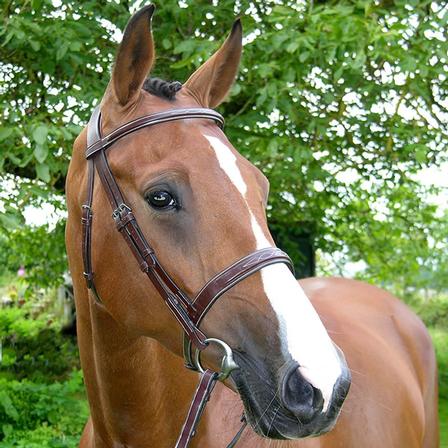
(299, 396)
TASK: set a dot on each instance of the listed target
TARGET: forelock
(161, 88)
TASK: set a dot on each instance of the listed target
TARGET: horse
(201, 205)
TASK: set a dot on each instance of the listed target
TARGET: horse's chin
(283, 427)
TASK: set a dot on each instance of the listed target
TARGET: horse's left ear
(134, 58)
(211, 82)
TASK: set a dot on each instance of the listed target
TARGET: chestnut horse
(202, 207)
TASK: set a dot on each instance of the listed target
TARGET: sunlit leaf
(5, 133)
(40, 134)
(40, 152)
(43, 172)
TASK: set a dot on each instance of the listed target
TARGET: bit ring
(228, 364)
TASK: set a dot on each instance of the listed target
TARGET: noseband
(188, 312)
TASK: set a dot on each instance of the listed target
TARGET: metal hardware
(228, 364)
(87, 215)
(117, 213)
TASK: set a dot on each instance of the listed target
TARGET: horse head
(202, 206)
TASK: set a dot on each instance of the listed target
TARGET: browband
(150, 120)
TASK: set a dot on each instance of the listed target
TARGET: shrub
(440, 339)
(434, 312)
(42, 401)
(33, 412)
(35, 348)
(46, 357)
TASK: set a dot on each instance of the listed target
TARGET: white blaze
(227, 162)
(302, 333)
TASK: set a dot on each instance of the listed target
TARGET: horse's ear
(134, 58)
(211, 82)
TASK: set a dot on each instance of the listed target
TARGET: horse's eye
(161, 199)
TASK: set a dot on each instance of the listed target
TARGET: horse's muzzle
(290, 409)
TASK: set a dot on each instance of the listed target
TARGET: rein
(188, 312)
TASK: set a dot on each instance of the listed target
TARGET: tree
(340, 103)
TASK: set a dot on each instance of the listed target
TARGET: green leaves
(35, 45)
(40, 250)
(40, 134)
(41, 152)
(5, 133)
(9, 220)
(292, 47)
(8, 407)
(51, 415)
(186, 47)
(421, 153)
(43, 172)
(62, 50)
(41, 388)
(317, 96)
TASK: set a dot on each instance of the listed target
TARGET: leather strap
(227, 279)
(234, 274)
(93, 132)
(127, 225)
(201, 396)
(205, 387)
(151, 120)
(238, 435)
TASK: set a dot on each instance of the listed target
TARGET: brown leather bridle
(188, 312)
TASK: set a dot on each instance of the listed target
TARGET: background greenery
(341, 103)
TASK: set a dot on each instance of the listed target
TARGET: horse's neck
(139, 392)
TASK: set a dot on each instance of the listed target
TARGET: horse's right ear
(134, 58)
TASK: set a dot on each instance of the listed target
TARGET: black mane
(161, 88)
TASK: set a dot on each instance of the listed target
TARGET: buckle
(118, 212)
(88, 211)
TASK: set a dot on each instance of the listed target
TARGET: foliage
(40, 250)
(33, 346)
(339, 102)
(52, 75)
(440, 340)
(443, 416)
(42, 402)
(43, 415)
(16, 322)
(43, 357)
(433, 312)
